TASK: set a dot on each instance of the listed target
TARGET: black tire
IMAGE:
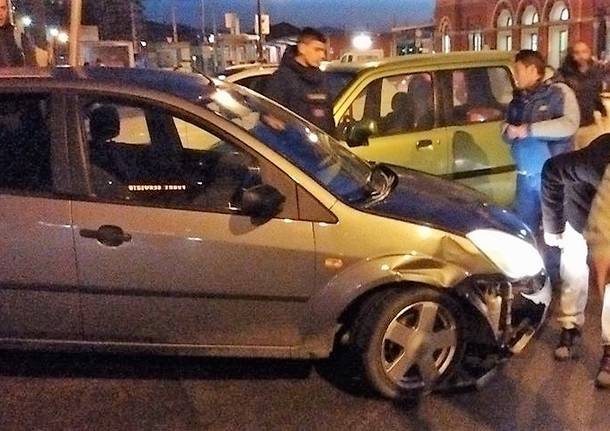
(400, 307)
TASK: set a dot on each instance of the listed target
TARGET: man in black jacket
(300, 85)
(11, 55)
(585, 76)
(569, 184)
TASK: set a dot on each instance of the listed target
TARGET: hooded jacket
(303, 90)
(11, 55)
(569, 183)
(552, 115)
(587, 86)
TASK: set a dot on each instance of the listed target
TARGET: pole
(259, 44)
(203, 21)
(174, 23)
(134, 33)
(76, 12)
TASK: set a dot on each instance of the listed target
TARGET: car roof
(431, 60)
(188, 86)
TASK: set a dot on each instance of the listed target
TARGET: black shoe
(603, 377)
(569, 342)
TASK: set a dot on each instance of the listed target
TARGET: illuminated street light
(63, 37)
(362, 42)
(143, 43)
(26, 21)
(54, 31)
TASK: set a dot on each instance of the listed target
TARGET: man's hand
(553, 239)
(516, 132)
(601, 268)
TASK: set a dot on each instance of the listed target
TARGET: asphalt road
(92, 392)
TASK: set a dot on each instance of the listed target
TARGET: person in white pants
(574, 272)
(598, 237)
(569, 184)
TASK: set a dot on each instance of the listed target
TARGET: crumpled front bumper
(529, 309)
(514, 310)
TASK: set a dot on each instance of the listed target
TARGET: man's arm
(553, 183)
(564, 126)
(598, 232)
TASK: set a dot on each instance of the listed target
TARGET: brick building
(549, 26)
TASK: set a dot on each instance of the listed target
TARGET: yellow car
(438, 113)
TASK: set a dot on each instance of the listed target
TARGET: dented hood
(425, 199)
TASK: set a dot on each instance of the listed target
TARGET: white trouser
(575, 284)
(606, 317)
(574, 272)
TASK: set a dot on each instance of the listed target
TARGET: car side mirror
(262, 201)
(357, 134)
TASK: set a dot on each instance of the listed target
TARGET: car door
(402, 107)
(474, 102)
(38, 281)
(164, 254)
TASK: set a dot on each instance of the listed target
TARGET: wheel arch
(331, 308)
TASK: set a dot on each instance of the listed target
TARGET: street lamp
(26, 21)
(63, 37)
(362, 42)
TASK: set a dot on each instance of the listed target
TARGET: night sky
(353, 14)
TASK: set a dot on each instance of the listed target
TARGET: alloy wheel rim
(419, 345)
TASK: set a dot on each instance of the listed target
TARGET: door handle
(111, 236)
(424, 144)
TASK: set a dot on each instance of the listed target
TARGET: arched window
(505, 19)
(559, 12)
(505, 33)
(530, 16)
(445, 36)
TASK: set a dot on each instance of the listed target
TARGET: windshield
(320, 156)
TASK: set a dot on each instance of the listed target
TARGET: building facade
(549, 26)
(118, 19)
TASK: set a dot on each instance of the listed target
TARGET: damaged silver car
(156, 212)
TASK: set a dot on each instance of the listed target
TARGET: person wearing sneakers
(598, 237)
(569, 184)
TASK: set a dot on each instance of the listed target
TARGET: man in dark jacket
(300, 85)
(11, 55)
(569, 184)
(585, 77)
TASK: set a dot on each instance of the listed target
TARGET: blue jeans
(527, 203)
(529, 209)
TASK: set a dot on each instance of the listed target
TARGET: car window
(398, 104)
(182, 165)
(478, 95)
(134, 129)
(255, 83)
(25, 143)
(317, 154)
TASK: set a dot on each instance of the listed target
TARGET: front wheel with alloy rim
(408, 340)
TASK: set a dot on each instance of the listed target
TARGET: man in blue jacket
(300, 85)
(541, 122)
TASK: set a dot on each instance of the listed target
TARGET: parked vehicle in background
(438, 113)
(157, 212)
(360, 56)
(254, 78)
